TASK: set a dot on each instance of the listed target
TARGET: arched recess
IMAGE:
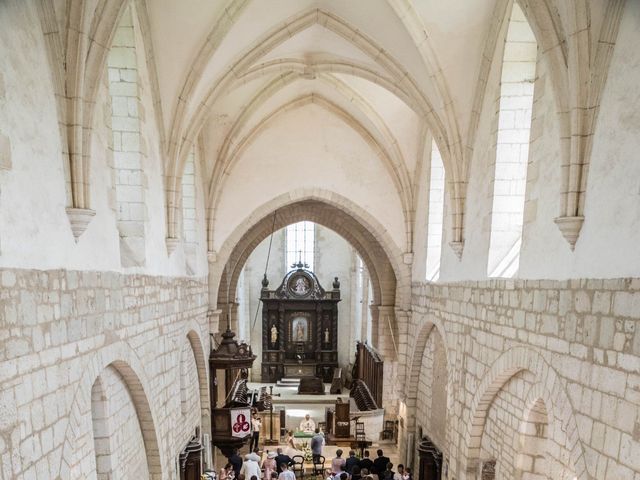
(101, 434)
(124, 360)
(428, 329)
(510, 363)
(390, 278)
(198, 349)
(532, 442)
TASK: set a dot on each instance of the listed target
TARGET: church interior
(295, 227)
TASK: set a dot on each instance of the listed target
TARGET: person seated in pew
(351, 462)
(366, 462)
(281, 459)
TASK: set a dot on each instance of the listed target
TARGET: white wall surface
(34, 225)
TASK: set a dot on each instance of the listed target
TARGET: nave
(416, 220)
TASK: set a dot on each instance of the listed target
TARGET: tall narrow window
(300, 240)
(512, 149)
(436, 214)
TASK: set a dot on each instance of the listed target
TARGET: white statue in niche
(274, 334)
(299, 329)
(326, 335)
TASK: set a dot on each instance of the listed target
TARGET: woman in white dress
(291, 449)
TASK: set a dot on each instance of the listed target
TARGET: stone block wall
(573, 344)
(61, 330)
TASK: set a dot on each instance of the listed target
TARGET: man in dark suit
(236, 462)
(282, 458)
(351, 462)
(380, 463)
(366, 462)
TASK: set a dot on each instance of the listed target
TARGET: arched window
(512, 147)
(300, 241)
(128, 175)
(436, 214)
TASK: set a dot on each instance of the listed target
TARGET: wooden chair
(298, 465)
(387, 433)
(318, 466)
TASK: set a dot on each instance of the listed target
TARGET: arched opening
(118, 432)
(436, 214)
(360, 236)
(189, 394)
(532, 459)
(515, 106)
(426, 390)
(371, 244)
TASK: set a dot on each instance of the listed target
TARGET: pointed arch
(299, 102)
(559, 406)
(390, 277)
(126, 362)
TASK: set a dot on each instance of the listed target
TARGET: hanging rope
(393, 337)
(266, 266)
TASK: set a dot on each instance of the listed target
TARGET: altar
(299, 327)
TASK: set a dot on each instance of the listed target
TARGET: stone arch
(122, 358)
(559, 406)
(426, 326)
(195, 340)
(424, 329)
(390, 277)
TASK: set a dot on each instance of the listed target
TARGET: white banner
(240, 422)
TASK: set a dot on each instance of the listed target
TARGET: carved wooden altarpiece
(299, 327)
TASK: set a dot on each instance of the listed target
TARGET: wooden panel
(370, 369)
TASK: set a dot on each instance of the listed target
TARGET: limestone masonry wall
(61, 330)
(572, 346)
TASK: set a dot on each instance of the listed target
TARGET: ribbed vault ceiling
(226, 67)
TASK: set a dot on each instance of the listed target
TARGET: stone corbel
(570, 228)
(172, 243)
(79, 218)
(458, 248)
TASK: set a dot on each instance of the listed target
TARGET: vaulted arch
(389, 276)
(395, 168)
